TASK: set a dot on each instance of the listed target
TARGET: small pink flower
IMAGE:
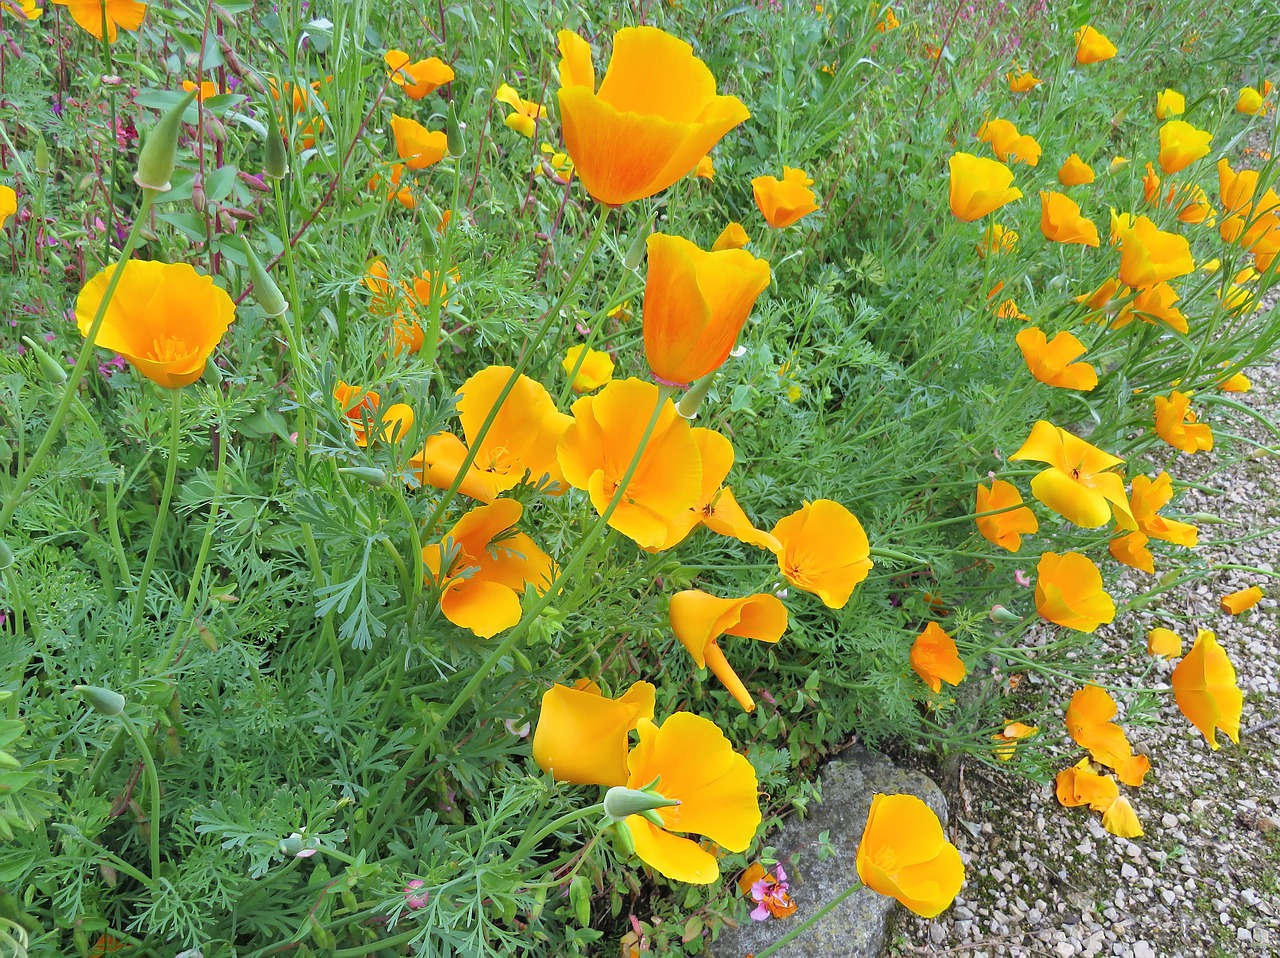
(1021, 578)
(412, 897)
(519, 731)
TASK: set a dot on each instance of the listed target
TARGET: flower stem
(153, 780)
(531, 839)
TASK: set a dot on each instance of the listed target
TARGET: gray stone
(858, 927)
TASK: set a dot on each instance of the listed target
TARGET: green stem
(531, 839)
(440, 276)
(153, 780)
(77, 372)
(401, 939)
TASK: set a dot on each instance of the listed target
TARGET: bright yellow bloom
(1241, 601)
(363, 410)
(1239, 383)
(733, 236)
(824, 551)
(1081, 785)
(1252, 101)
(1022, 82)
(1061, 222)
(979, 186)
(706, 169)
(122, 14)
(656, 113)
(1078, 485)
(417, 78)
(903, 854)
(524, 114)
(598, 446)
(1147, 497)
(165, 319)
(784, 201)
(1204, 684)
(1075, 172)
(582, 736)
(935, 658)
(593, 371)
(997, 241)
(1119, 819)
(8, 204)
(1170, 103)
(416, 145)
(699, 619)
(1069, 592)
(1009, 737)
(695, 304)
(693, 763)
(1176, 424)
(483, 566)
(1181, 144)
(1052, 361)
(1148, 255)
(1006, 529)
(1092, 46)
(1164, 643)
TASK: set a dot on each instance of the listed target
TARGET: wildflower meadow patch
(463, 469)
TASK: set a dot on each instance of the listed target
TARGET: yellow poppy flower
(784, 201)
(706, 169)
(363, 409)
(1069, 592)
(416, 145)
(1119, 819)
(1092, 46)
(524, 114)
(1164, 643)
(1204, 685)
(119, 14)
(1081, 785)
(824, 550)
(1241, 601)
(1052, 361)
(733, 236)
(1022, 82)
(935, 658)
(1078, 485)
(1176, 424)
(582, 736)
(8, 204)
(1131, 549)
(1089, 722)
(997, 241)
(1181, 144)
(1170, 103)
(1149, 255)
(905, 855)
(1061, 221)
(1007, 740)
(1075, 172)
(1147, 497)
(979, 186)
(699, 619)
(1006, 529)
(593, 371)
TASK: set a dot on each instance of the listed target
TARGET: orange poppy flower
(164, 318)
(979, 186)
(401, 194)
(1150, 185)
(1006, 529)
(520, 444)
(119, 14)
(598, 446)
(1007, 740)
(1131, 549)
(1236, 189)
(655, 116)
(1164, 643)
(362, 407)
(998, 241)
(1242, 601)
(1181, 144)
(706, 169)
(1176, 424)
(1022, 82)
(824, 550)
(1075, 172)
(1078, 485)
(693, 763)
(1146, 498)
(698, 619)
(905, 855)
(1081, 785)
(1204, 685)
(582, 736)
(593, 370)
(1119, 819)
(1088, 719)
(483, 566)
(733, 236)
(935, 658)
(1069, 592)
(784, 201)
(204, 90)
(695, 304)
(1092, 46)
(416, 145)
(1051, 362)
(1152, 304)
(1061, 222)
(1148, 255)
(417, 78)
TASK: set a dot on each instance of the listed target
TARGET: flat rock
(859, 926)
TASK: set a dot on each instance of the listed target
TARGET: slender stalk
(153, 781)
(531, 839)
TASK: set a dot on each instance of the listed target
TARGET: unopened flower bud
(102, 700)
(6, 557)
(374, 477)
(265, 291)
(276, 165)
(198, 197)
(639, 243)
(52, 368)
(454, 130)
(620, 802)
(43, 162)
(160, 151)
(691, 401)
(1000, 614)
(1208, 518)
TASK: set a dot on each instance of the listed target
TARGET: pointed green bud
(276, 165)
(160, 151)
(374, 477)
(43, 161)
(1000, 614)
(52, 368)
(1207, 517)
(265, 291)
(212, 374)
(454, 129)
(102, 700)
(691, 401)
(620, 802)
(639, 242)
(6, 558)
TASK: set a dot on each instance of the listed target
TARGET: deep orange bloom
(1052, 362)
(695, 304)
(706, 169)
(1236, 189)
(1006, 529)
(395, 191)
(979, 185)
(598, 446)
(824, 551)
(733, 236)
(363, 410)
(1078, 485)
(905, 855)
(1092, 46)
(1204, 684)
(1069, 592)
(1176, 424)
(483, 566)
(693, 763)
(1131, 549)
(698, 619)
(416, 145)
(520, 445)
(1152, 304)
(164, 318)
(1081, 785)
(654, 117)
(1147, 497)
(1241, 601)
(582, 736)
(1181, 144)
(1151, 185)
(1089, 722)
(935, 658)
(121, 14)
(1148, 255)
(1061, 221)
(417, 78)
(1075, 172)
(784, 201)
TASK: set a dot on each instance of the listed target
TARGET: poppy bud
(374, 477)
(454, 130)
(199, 199)
(52, 368)
(1000, 614)
(212, 375)
(691, 401)
(6, 555)
(160, 151)
(8, 762)
(635, 252)
(43, 161)
(620, 802)
(276, 165)
(265, 291)
(102, 700)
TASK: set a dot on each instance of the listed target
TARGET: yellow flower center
(170, 349)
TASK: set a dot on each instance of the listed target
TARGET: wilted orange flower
(582, 736)
(903, 854)
(1061, 222)
(1131, 549)
(979, 186)
(121, 14)
(1081, 785)
(706, 169)
(1006, 529)
(770, 892)
(636, 137)
(1242, 601)
(1147, 497)
(1089, 722)
(1052, 361)
(1152, 304)
(824, 551)
(699, 619)
(1103, 299)
(524, 114)
(1164, 643)
(733, 236)
(164, 318)
(1069, 592)
(1092, 46)
(693, 763)
(1170, 103)
(593, 370)
(1204, 684)
(598, 446)
(935, 658)
(1075, 172)
(1021, 82)
(416, 145)
(1181, 144)
(1078, 484)
(1176, 424)
(695, 304)
(784, 201)
(1007, 740)
(1148, 255)
(1119, 819)
(417, 78)
(1151, 185)
(521, 441)
(483, 566)
(997, 241)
